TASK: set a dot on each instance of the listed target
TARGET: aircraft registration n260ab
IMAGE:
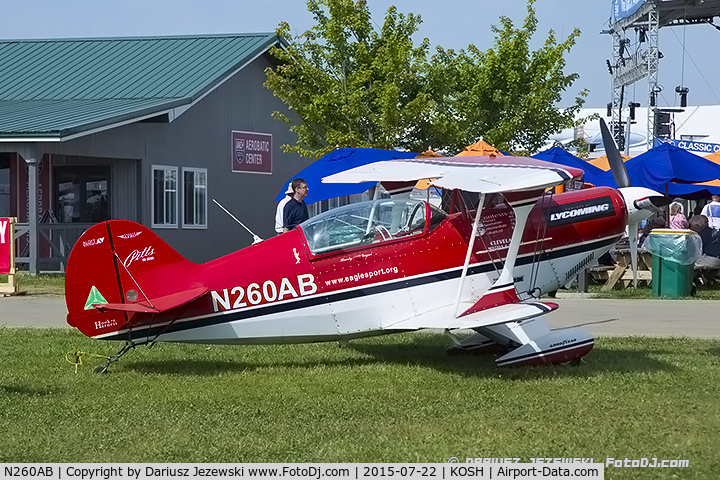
(480, 262)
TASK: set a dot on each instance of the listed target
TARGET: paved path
(692, 318)
(33, 311)
(605, 317)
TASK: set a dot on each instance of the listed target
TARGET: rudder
(120, 262)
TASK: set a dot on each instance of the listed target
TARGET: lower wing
(511, 312)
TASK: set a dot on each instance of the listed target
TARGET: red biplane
(383, 266)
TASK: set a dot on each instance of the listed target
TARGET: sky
(449, 23)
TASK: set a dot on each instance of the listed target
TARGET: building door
(82, 194)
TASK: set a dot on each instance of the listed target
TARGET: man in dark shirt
(295, 211)
(710, 237)
(709, 261)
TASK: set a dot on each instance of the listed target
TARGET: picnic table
(622, 270)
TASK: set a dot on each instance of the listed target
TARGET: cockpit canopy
(367, 223)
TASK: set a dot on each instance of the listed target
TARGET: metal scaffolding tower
(633, 60)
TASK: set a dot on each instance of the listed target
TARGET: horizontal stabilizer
(156, 305)
(511, 312)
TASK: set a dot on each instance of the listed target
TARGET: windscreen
(366, 223)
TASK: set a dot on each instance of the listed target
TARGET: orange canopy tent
(479, 148)
(713, 157)
(425, 184)
(602, 162)
(428, 154)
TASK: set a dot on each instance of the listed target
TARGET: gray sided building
(144, 129)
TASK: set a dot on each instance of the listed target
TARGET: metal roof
(60, 88)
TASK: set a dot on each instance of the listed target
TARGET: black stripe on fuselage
(314, 300)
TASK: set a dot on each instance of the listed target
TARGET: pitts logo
(144, 255)
(581, 211)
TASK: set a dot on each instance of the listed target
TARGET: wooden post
(583, 280)
(7, 230)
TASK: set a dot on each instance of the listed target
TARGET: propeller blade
(617, 166)
(633, 236)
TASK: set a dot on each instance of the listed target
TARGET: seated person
(710, 258)
(677, 218)
(656, 221)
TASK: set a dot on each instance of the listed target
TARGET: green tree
(350, 85)
(508, 95)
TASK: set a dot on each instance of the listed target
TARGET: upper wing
(474, 174)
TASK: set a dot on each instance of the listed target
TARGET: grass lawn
(38, 284)
(397, 398)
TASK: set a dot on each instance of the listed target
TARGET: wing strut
(502, 291)
(471, 243)
(522, 210)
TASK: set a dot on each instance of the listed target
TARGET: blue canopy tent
(563, 157)
(667, 169)
(691, 191)
(337, 161)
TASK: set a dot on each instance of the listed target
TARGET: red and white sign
(5, 259)
(251, 152)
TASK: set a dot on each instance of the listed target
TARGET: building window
(194, 198)
(82, 194)
(165, 196)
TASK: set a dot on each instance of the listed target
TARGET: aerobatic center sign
(251, 152)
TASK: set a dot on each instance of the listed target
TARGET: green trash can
(673, 260)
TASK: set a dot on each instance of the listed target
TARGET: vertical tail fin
(120, 263)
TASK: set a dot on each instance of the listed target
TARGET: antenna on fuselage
(256, 239)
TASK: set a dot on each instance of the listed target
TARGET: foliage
(350, 86)
(507, 94)
(397, 398)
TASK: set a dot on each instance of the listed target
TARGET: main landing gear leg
(114, 358)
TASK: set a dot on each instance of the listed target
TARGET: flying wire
(539, 243)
